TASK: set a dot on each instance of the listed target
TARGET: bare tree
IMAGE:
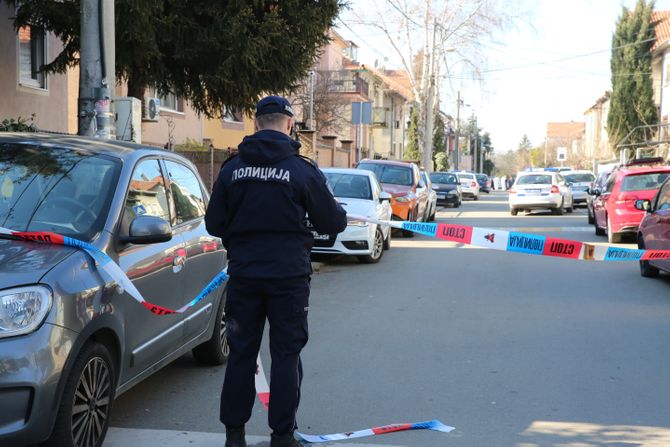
(443, 33)
(330, 107)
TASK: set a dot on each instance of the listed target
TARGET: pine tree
(632, 102)
(213, 53)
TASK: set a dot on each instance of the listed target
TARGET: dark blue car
(483, 181)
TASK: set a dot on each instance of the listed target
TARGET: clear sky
(549, 67)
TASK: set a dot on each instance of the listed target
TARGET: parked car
(654, 230)
(469, 185)
(360, 193)
(431, 209)
(540, 190)
(403, 181)
(484, 185)
(581, 182)
(447, 187)
(71, 340)
(614, 208)
(597, 185)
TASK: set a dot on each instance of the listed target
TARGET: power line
(563, 59)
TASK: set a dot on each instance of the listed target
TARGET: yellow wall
(226, 134)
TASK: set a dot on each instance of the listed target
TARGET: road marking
(124, 437)
(549, 229)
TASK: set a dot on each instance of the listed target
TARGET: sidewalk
(137, 437)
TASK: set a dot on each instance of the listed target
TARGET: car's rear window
(395, 175)
(534, 180)
(642, 182)
(580, 178)
(58, 190)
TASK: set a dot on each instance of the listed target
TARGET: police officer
(258, 208)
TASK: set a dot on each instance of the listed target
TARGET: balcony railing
(344, 82)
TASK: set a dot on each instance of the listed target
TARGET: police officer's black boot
(284, 440)
(235, 437)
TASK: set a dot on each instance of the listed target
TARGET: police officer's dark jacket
(259, 203)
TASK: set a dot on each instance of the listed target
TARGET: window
(233, 115)
(59, 190)
(664, 198)
(32, 56)
(643, 182)
(349, 185)
(172, 102)
(186, 192)
(147, 195)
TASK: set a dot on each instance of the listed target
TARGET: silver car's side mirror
(385, 196)
(148, 230)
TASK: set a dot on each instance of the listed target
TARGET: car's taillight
(473, 184)
(554, 189)
(512, 191)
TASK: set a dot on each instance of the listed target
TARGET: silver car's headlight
(357, 223)
(23, 309)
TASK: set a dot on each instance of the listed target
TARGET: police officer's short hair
(271, 120)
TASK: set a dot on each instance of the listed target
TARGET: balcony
(343, 81)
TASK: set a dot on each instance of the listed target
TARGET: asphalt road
(511, 349)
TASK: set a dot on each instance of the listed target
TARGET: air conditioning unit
(151, 110)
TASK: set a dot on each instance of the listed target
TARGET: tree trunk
(135, 90)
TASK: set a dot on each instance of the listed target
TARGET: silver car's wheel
(86, 404)
(215, 350)
(377, 249)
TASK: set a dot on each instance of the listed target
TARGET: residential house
(51, 98)
(661, 70)
(596, 141)
(338, 82)
(569, 135)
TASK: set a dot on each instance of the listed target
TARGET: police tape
(263, 393)
(108, 265)
(512, 241)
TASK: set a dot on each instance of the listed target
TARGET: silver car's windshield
(58, 190)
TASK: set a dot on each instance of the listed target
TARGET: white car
(580, 182)
(540, 190)
(431, 207)
(360, 193)
(469, 184)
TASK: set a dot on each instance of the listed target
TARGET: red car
(654, 233)
(614, 208)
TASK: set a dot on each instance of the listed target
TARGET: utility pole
(97, 69)
(458, 129)
(427, 159)
(312, 74)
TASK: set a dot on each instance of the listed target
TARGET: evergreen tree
(440, 157)
(213, 53)
(632, 102)
(412, 149)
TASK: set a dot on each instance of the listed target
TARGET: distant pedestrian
(258, 208)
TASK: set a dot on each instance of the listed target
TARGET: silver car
(540, 190)
(71, 338)
(580, 182)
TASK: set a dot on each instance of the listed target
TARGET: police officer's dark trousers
(284, 302)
